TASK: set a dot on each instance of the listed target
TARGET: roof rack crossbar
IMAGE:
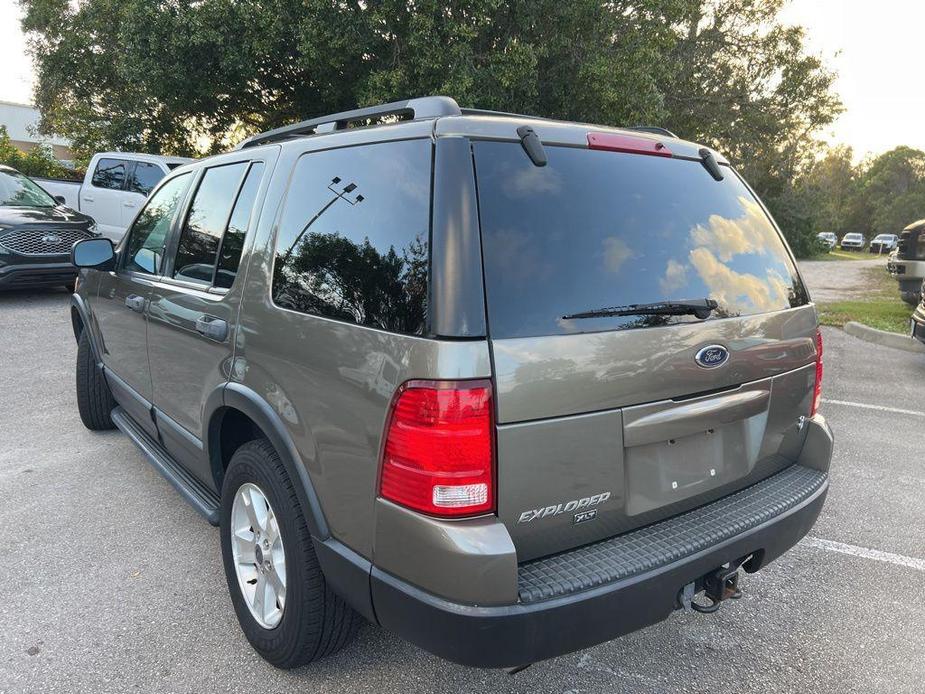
(418, 109)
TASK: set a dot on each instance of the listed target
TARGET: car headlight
(92, 229)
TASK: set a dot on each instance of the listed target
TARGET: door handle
(212, 328)
(87, 198)
(135, 302)
(130, 204)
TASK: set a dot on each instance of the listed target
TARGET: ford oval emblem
(712, 356)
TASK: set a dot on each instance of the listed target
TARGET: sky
(875, 47)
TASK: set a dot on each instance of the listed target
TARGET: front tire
(283, 604)
(94, 399)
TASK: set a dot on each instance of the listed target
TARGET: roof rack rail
(487, 112)
(654, 129)
(421, 108)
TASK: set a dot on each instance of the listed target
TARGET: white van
(115, 185)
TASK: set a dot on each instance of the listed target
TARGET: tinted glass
(18, 191)
(144, 178)
(233, 243)
(145, 249)
(353, 240)
(205, 223)
(597, 229)
(110, 173)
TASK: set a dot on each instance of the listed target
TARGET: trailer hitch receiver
(718, 586)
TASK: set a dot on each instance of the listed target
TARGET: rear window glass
(594, 230)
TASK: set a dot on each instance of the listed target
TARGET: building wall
(21, 121)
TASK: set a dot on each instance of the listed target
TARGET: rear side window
(354, 236)
(229, 256)
(144, 177)
(598, 229)
(205, 223)
(110, 173)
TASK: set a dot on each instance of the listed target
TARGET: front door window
(148, 235)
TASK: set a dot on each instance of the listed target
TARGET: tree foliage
(195, 77)
(39, 161)
(881, 195)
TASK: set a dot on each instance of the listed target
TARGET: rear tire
(315, 622)
(94, 399)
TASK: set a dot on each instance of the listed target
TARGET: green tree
(39, 161)
(743, 83)
(188, 78)
(894, 190)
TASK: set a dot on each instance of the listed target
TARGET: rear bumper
(31, 274)
(511, 635)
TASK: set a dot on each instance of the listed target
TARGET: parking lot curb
(882, 337)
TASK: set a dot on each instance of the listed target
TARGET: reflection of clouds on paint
(674, 278)
(531, 181)
(616, 252)
(740, 292)
(725, 237)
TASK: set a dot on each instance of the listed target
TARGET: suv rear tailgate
(652, 460)
(610, 423)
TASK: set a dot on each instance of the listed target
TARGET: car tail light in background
(817, 390)
(438, 456)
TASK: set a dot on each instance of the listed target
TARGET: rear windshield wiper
(702, 308)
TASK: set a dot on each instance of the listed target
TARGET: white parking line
(881, 408)
(865, 553)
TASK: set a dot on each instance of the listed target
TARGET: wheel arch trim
(80, 311)
(239, 397)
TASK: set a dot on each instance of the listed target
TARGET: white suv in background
(852, 242)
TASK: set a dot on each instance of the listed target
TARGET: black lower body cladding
(590, 611)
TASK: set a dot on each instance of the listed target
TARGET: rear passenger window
(144, 178)
(205, 223)
(110, 173)
(229, 256)
(353, 239)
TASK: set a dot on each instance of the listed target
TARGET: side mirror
(94, 253)
(60, 199)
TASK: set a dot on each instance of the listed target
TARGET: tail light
(438, 455)
(817, 389)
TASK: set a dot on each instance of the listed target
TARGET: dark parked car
(36, 234)
(908, 265)
(509, 387)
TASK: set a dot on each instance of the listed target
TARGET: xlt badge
(585, 516)
(567, 507)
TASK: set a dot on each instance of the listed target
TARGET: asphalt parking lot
(112, 583)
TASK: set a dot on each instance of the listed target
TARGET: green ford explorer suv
(506, 386)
